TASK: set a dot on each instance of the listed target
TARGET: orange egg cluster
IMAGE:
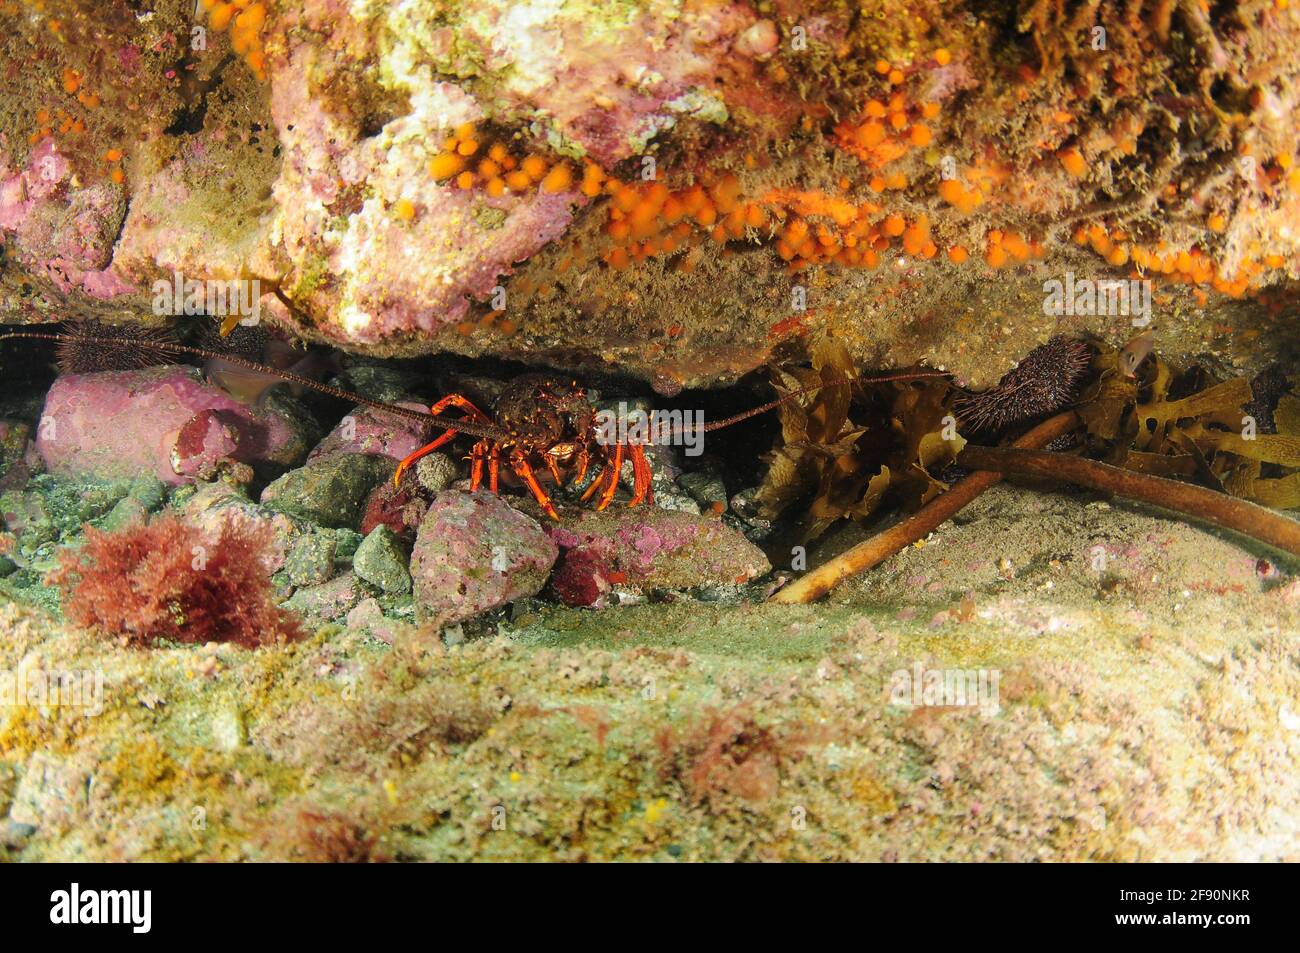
(854, 240)
(648, 218)
(113, 158)
(1189, 266)
(956, 193)
(489, 321)
(244, 19)
(48, 122)
(465, 160)
(968, 190)
(809, 227)
(1073, 162)
(64, 122)
(887, 130)
(1008, 248)
(1284, 164)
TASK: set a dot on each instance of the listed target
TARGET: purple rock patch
(162, 420)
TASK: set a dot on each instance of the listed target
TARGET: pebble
(381, 561)
(310, 561)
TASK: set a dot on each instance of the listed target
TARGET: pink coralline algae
(649, 70)
(61, 232)
(582, 579)
(161, 420)
(401, 509)
(337, 196)
(373, 432)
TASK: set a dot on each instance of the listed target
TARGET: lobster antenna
(424, 417)
(168, 347)
(773, 404)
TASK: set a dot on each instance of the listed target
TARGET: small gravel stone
(436, 472)
(124, 512)
(347, 542)
(381, 561)
(329, 600)
(228, 729)
(311, 559)
(704, 487)
(369, 617)
(150, 491)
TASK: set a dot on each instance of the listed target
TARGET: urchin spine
(1045, 381)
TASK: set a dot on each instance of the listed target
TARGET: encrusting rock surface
(650, 197)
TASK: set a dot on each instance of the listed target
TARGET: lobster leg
(494, 468)
(477, 456)
(584, 460)
(519, 463)
(616, 468)
(427, 449)
(642, 476)
(555, 470)
(590, 491)
(464, 403)
(451, 400)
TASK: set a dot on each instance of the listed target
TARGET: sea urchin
(88, 347)
(1045, 381)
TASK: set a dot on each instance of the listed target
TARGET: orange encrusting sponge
(1006, 248)
(886, 131)
(807, 227)
(811, 227)
(1189, 266)
(468, 164)
(244, 19)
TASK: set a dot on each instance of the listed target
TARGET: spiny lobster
(541, 419)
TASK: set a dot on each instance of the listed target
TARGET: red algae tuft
(166, 579)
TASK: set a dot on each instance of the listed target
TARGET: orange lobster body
(543, 422)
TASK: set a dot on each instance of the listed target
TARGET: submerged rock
(214, 503)
(582, 578)
(364, 430)
(649, 548)
(331, 491)
(400, 508)
(380, 561)
(311, 559)
(166, 421)
(52, 791)
(330, 600)
(368, 616)
(17, 455)
(473, 552)
(436, 472)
